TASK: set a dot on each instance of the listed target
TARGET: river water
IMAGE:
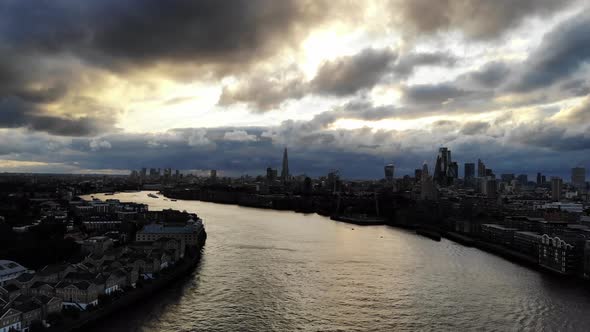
(265, 270)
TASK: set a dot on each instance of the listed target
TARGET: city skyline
(360, 85)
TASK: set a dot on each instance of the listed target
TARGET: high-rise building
(539, 179)
(389, 172)
(481, 169)
(213, 174)
(469, 171)
(579, 177)
(523, 179)
(285, 170)
(271, 174)
(417, 174)
(428, 191)
(443, 175)
(556, 184)
(490, 187)
(453, 172)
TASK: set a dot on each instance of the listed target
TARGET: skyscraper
(469, 171)
(285, 170)
(481, 169)
(427, 190)
(579, 177)
(444, 173)
(389, 171)
(556, 184)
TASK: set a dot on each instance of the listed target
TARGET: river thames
(265, 270)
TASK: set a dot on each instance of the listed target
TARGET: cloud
(98, 144)
(349, 74)
(239, 136)
(476, 19)
(559, 56)
(490, 75)
(433, 93)
(15, 113)
(474, 128)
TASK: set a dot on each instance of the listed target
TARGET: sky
(109, 86)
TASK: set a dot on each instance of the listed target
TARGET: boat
(152, 195)
(359, 219)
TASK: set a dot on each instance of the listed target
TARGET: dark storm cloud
(340, 77)
(15, 113)
(474, 128)
(490, 75)
(562, 53)
(433, 93)
(547, 135)
(480, 19)
(264, 93)
(129, 33)
(347, 75)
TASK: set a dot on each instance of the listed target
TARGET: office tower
(428, 191)
(469, 173)
(490, 187)
(389, 171)
(579, 177)
(417, 174)
(543, 179)
(177, 174)
(271, 174)
(539, 179)
(556, 184)
(442, 162)
(333, 182)
(481, 169)
(453, 172)
(143, 173)
(285, 170)
(213, 175)
(523, 179)
(441, 169)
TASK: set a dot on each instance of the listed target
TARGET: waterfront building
(498, 234)
(579, 177)
(556, 187)
(561, 255)
(527, 243)
(187, 233)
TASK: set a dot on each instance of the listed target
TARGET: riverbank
(181, 270)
